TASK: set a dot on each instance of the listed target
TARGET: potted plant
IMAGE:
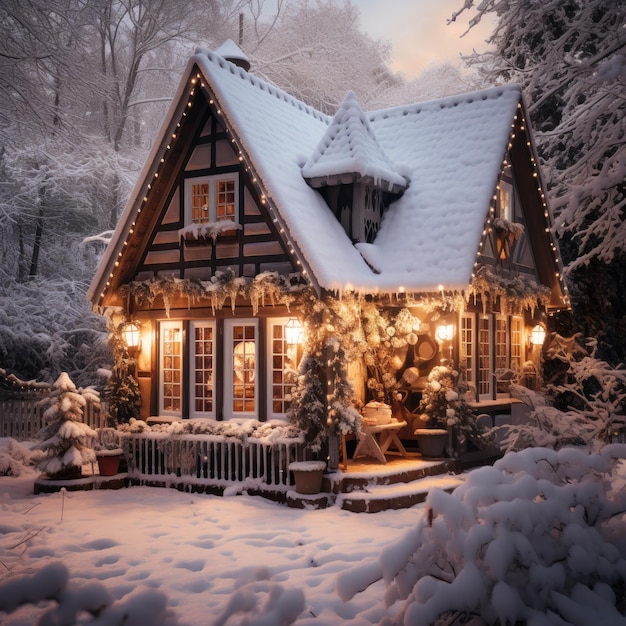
(108, 452)
(445, 411)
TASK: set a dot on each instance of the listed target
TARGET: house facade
(261, 231)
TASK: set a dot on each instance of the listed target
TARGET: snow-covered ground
(537, 539)
(198, 550)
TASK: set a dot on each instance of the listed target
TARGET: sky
(419, 32)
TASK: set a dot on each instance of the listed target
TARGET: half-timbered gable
(212, 219)
(251, 204)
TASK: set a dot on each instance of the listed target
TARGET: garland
(516, 292)
(267, 287)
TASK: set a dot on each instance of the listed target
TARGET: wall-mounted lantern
(537, 335)
(132, 336)
(294, 333)
(444, 333)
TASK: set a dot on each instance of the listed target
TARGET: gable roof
(450, 150)
(349, 151)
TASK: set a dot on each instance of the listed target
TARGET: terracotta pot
(308, 475)
(108, 465)
(431, 441)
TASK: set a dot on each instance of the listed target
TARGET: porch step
(362, 476)
(401, 495)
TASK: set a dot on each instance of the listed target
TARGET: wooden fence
(22, 418)
(209, 462)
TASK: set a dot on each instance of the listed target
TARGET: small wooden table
(368, 445)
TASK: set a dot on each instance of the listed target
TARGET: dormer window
(505, 203)
(211, 199)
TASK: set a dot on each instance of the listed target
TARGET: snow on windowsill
(209, 230)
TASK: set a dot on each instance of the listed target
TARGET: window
(468, 350)
(211, 199)
(282, 363)
(171, 368)
(493, 354)
(505, 205)
(240, 368)
(189, 369)
(202, 360)
(485, 367)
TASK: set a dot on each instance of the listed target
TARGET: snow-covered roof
(451, 150)
(448, 153)
(349, 149)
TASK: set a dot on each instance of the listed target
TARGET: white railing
(201, 461)
(22, 418)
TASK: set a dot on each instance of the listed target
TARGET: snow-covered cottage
(373, 244)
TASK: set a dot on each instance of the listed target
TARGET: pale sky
(419, 32)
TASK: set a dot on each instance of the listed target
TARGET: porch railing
(200, 461)
(22, 418)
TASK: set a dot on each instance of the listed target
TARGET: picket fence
(209, 462)
(22, 418)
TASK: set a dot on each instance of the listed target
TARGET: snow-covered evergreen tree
(66, 440)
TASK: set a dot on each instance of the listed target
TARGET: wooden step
(402, 495)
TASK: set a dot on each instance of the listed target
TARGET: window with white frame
(171, 368)
(202, 361)
(485, 364)
(282, 363)
(211, 199)
(241, 349)
(468, 350)
(516, 344)
(492, 352)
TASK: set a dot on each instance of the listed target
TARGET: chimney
(230, 51)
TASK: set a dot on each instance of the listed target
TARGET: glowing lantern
(444, 332)
(294, 333)
(131, 335)
(537, 335)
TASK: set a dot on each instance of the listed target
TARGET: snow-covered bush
(585, 400)
(535, 539)
(15, 457)
(66, 440)
(584, 384)
(72, 603)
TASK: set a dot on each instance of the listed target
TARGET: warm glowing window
(202, 360)
(171, 368)
(199, 198)
(485, 367)
(211, 199)
(505, 202)
(225, 204)
(468, 350)
(283, 360)
(241, 346)
(516, 344)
